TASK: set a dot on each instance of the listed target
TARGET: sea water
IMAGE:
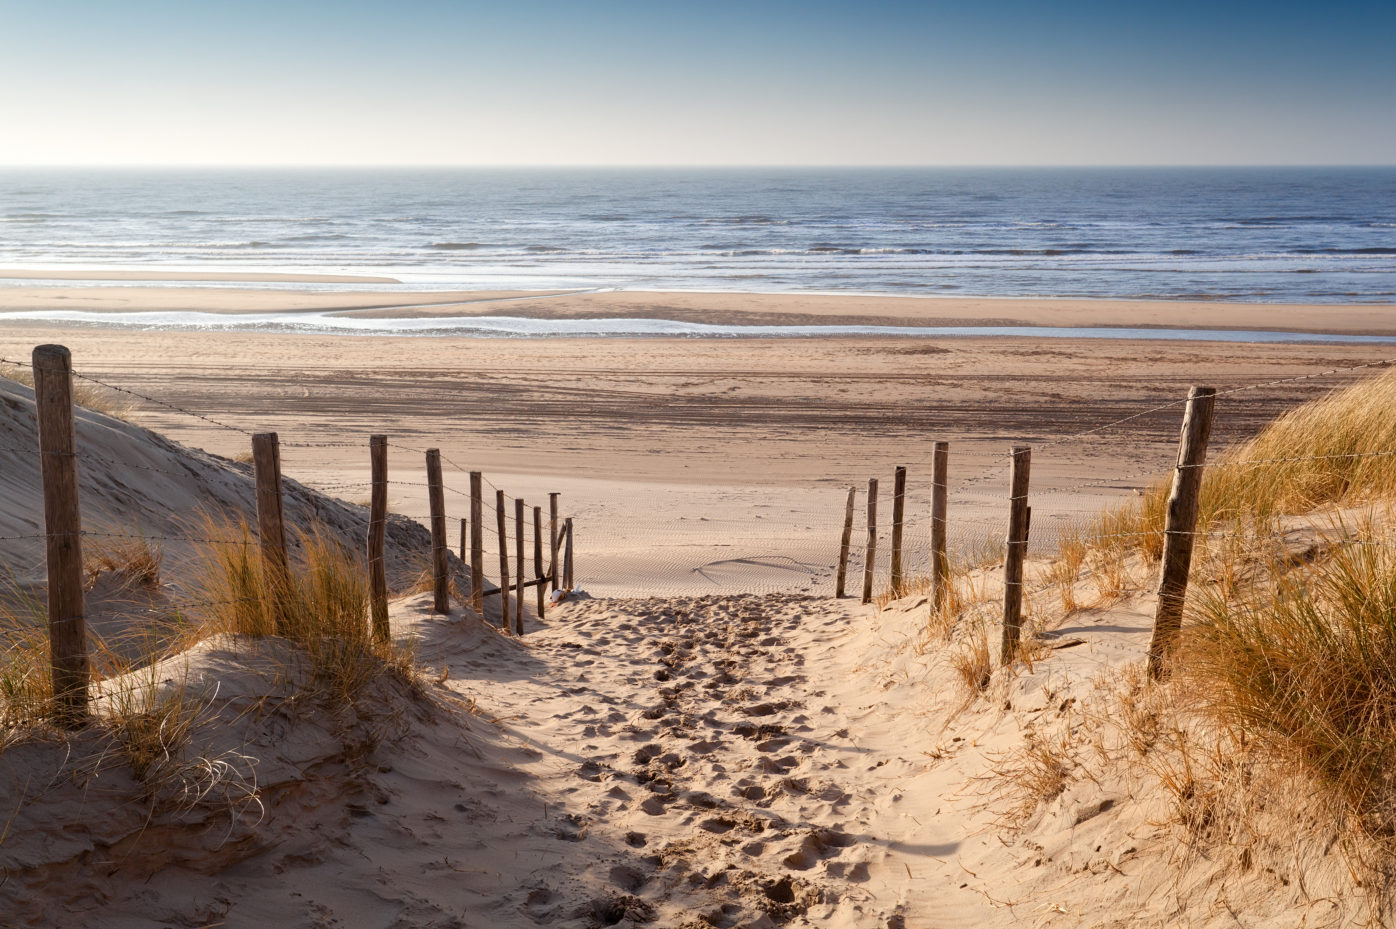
(1282, 235)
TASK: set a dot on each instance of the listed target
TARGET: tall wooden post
(843, 542)
(552, 531)
(58, 468)
(542, 588)
(477, 543)
(1017, 543)
(940, 499)
(898, 514)
(521, 570)
(870, 562)
(377, 535)
(503, 562)
(440, 568)
(271, 524)
(567, 559)
(1180, 526)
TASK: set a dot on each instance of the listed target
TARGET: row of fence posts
(68, 655)
(1180, 527)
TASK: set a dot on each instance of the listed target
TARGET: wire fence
(776, 542)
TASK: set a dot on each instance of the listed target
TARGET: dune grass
(85, 394)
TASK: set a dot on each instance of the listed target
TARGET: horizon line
(675, 166)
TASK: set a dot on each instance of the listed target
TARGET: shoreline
(706, 308)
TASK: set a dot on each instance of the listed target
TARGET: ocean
(1267, 235)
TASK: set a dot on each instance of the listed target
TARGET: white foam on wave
(519, 327)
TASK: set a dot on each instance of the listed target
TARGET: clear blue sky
(964, 83)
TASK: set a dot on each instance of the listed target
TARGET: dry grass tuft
(323, 608)
(243, 457)
(85, 394)
(135, 559)
(1033, 774)
(972, 660)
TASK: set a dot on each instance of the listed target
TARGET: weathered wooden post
(843, 542)
(567, 558)
(440, 570)
(477, 543)
(271, 525)
(940, 498)
(377, 536)
(1016, 548)
(552, 531)
(1180, 526)
(898, 514)
(464, 548)
(58, 468)
(503, 562)
(538, 558)
(521, 570)
(871, 559)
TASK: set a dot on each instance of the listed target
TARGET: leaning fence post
(538, 557)
(567, 558)
(519, 566)
(503, 562)
(1180, 526)
(58, 467)
(271, 523)
(940, 498)
(477, 544)
(843, 542)
(898, 512)
(377, 532)
(552, 531)
(871, 559)
(440, 570)
(1017, 543)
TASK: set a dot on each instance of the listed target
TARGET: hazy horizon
(427, 83)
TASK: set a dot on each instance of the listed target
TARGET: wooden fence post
(552, 531)
(58, 467)
(271, 524)
(477, 544)
(843, 542)
(538, 557)
(898, 514)
(1180, 526)
(503, 562)
(871, 559)
(440, 571)
(567, 558)
(1016, 543)
(377, 535)
(464, 548)
(520, 568)
(940, 499)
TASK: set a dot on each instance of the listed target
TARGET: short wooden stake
(503, 562)
(940, 498)
(58, 467)
(271, 524)
(477, 543)
(520, 568)
(1180, 527)
(377, 536)
(843, 542)
(538, 557)
(567, 558)
(552, 532)
(464, 548)
(440, 567)
(870, 561)
(898, 513)
(1016, 544)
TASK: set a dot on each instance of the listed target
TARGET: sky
(413, 82)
